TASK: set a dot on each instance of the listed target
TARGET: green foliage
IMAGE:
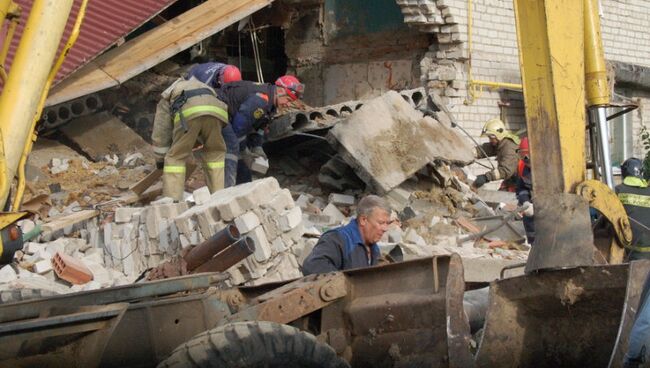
(645, 141)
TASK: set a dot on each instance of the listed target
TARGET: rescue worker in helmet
(251, 107)
(635, 196)
(189, 110)
(525, 189)
(215, 74)
(503, 144)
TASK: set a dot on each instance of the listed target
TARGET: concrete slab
(45, 150)
(386, 141)
(487, 270)
(102, 134)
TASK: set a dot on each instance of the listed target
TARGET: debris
(260, 165)
(341, 199)
(70, 269)
(102, 135)
(386, 141)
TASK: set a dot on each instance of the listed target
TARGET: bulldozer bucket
(556, 318)
(401, 315)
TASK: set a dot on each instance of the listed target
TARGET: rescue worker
(525, 189)
(503, 144)
(189, 110)
(251, 107)
(635, 196)
(353, 245)
(638, 350)
(215, 74)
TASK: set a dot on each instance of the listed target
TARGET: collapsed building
(370, 72)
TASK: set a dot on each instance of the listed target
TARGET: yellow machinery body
(25, 89)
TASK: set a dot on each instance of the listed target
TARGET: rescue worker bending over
(635, 196)
(251, 107)
(215, 74)
(525, 189)
(503, 145)
(353, 245)
(189, 110)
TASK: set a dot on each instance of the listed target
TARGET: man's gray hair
(369, 203)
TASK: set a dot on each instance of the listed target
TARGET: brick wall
(494, 57)
(343, 56)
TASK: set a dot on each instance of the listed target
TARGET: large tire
(254, 344)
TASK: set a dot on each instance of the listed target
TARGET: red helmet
(523, 146)
(292, 85)
(230, 74)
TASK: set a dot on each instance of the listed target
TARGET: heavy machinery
(574, 307)
(24, 91)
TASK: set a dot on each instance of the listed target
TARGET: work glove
(529, 211)
(258, 152)
(480, 181)
(160, 164)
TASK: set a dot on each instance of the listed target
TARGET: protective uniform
(250, 107)
(634, 193)
(505, 151)
(189, 110)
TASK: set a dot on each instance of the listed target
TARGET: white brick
(291, 219)
(336, 217)
(260, 165)
(43, 266)
(341, 199)
(281, 201)
(247, 222)
(278, 245)
(262, 247)
(125, 214)
(31, 248)
(7, 274)
(201, 195)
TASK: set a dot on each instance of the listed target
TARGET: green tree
(645, 141)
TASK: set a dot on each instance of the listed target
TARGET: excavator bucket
(636, 287)
(558, 318)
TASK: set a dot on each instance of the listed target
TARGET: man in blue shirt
(353, 245)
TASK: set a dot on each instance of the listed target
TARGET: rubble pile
(86, 216)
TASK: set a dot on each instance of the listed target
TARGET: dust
(569, 293)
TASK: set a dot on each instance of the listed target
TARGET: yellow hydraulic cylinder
(27, 79)
(597, 89)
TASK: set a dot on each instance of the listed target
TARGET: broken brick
(70, 269)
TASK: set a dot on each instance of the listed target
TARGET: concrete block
(43, 266)
(56, 246)
(201, 195)
(260, 165)
(281, 201)
(95, 257)
(100, 274)
(395, 235)
(291, 219)
(335, 215)
(26, 225)
(247, 222)
(125, 214)
(40, 255)
(262, 247)
(278, 245)
(261, 192)
(7, 274)
(341, 199)
(32, 248)
(303, 200)
(294, 234)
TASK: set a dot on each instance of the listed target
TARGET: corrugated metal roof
(152, 47)
(105, 23)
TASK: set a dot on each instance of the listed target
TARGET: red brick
(71, 269)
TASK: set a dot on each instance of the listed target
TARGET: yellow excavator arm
(23, 96)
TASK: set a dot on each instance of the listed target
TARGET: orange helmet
(230, 74)
(292, 85)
